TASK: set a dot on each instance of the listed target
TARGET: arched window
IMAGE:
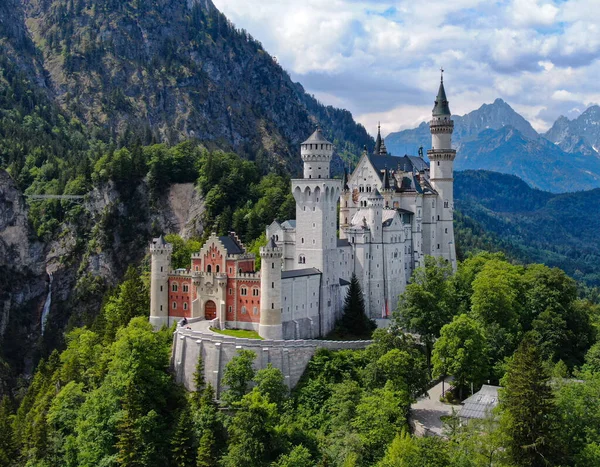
(243, 291)
(186, 288)
(174, 287)
(185, 306)
(174, 305)
(255, 292)
(244, 310)
(217, 269)
(209, 268)
(255, 311)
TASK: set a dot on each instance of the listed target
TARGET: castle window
(272, 265)
(230, 270)
(255, 292)
(302, 240)
(186, 288)
(240, 270)
(161, 269)
(161, 288)
(301, 259)
(438, 246)
(438, 218)
(196, 268)
(438, 163)
(230, 310)
(174, 305)
(230, 291)
(272, 285)
(272, 306)
(244, 310)
(209, 268)
(174, 288)
(218, 269)
(445, 230)
(446, 204)
(255, 311)
(244, 291)
(161, 308)
(185, 306)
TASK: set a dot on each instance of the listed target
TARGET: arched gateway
(210, 310)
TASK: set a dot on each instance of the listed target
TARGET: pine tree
(529, 418)
(354, 320)
(128, 438)
(199, 381)
(206, 450)
(182, 443)
(7, 438)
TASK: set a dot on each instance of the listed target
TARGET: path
(428, 410)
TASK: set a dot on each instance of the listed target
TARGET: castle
(392, 212)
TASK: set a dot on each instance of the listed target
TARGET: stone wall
(290, 356)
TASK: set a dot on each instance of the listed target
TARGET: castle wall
(180, 296)
(290, 356)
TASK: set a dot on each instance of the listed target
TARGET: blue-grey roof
(344, 282)
(231, 245)
(341, 242)
(403, 163)
(480, 404)
(299, 273)
(316, 137)
(289, 224)
(441, 106)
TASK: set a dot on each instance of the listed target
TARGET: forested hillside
(532, 225)
(109, 399)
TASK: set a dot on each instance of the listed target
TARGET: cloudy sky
(380, 59)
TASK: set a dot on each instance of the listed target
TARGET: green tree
(8, 448)
(354, 320)
(253, 438)
(425, 306)
(529, 415)
(183, 450)
(237, 376)
(270, 382)
(299, 456)
(128, 443)
(461, 352)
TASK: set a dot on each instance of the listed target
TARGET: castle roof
(160, 241)
(231, 245)
(441, 106)
(317, 137)
(289, 224)
(377, 148)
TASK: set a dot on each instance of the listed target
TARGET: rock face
(495, 137)
(466, 128)
(174, 69)
(580, 135)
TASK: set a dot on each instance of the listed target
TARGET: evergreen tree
(354, 320)
(128, 444)
(182, 443)
(528, 418)
(199, 382)
(206, 450)
(7, 441)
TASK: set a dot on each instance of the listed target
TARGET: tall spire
(378, 140)
(441, 106)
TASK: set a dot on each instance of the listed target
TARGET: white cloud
(380, 59)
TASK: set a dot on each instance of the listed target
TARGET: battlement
(441, 154)
(248, 275)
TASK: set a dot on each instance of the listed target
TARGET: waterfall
(47, 304)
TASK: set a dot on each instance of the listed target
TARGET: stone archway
(210, 310)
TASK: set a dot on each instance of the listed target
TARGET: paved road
(428, 409)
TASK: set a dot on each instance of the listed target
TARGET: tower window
(209, 268)
(174, 305)
(272, 306)
(218, 269)
(272, 285)
(244, 291)
(185, 306)
(161, 269)
(161, 288)
(272, 265)
(174, 288)
(438, 163)
(186, 288)
(255, 292)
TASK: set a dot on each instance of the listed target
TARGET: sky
(381, 59)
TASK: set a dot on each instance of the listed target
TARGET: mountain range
(495, 137)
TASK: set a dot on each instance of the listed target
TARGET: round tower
(375, 205)
(160, 252)
(316, 154)
(270, 326)
(441, 155)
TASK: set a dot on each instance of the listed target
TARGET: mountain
(466, 128)
(536, 161)
(495, 137)
(170, 70)
(532, 225)
(580, 135)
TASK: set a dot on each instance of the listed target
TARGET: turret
(160, 252)
(316, 154)
(441, 156)
(375, 205)
(270, 326)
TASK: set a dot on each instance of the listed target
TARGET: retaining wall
(290, 356)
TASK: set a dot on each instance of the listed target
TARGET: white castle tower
(160, 252)
(270, 326)
(441, 156)
(317, 196)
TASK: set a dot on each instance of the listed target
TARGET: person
(183, 322)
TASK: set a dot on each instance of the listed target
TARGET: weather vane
(442, 70)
